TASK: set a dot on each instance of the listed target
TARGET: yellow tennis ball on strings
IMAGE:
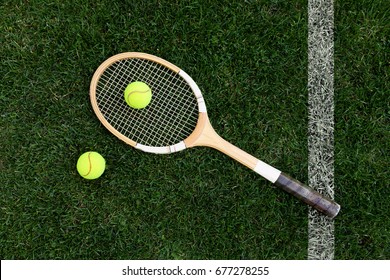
(138, 95)
(91, 165)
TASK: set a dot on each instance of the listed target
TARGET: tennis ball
(138, 95)
(91, 165)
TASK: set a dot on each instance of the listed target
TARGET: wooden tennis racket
(175, 119)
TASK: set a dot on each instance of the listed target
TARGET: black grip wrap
(307, 195)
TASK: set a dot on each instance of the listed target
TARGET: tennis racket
(175, 119)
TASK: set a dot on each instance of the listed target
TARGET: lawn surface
(250, 60)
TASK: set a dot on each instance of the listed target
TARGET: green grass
(250, 60)
(362, 129)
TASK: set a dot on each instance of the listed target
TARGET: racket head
(172, 115)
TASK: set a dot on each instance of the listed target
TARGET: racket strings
(169, 118)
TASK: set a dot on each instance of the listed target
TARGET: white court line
(321, 122)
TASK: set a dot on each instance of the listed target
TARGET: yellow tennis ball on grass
(138, 95)
(91, 165)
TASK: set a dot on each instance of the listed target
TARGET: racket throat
(205, 135)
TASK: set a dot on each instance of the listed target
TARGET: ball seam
(134, 91)
(90, 165)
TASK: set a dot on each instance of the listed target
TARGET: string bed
(169, 118)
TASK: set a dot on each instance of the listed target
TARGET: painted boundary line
(321, 122)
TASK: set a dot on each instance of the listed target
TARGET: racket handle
(307, 195)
